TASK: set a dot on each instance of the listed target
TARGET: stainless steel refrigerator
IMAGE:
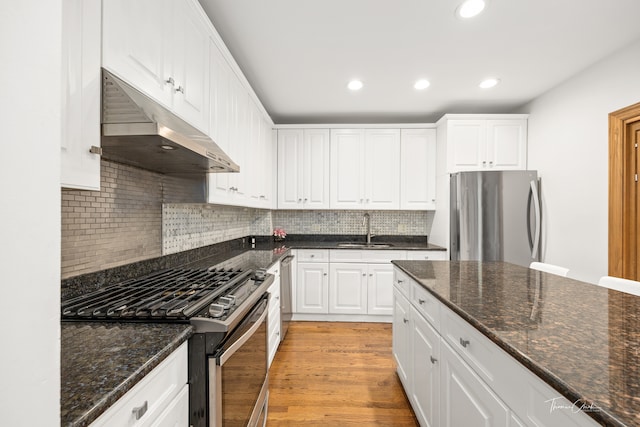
(495, 216)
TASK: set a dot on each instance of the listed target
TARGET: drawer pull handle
(433, 359)
(464, 343)
(139, 411)
(405, 320)
(421, 301)
(400, 281)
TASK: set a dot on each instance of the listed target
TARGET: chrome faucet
(367, 220)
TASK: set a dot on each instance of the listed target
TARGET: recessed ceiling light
(489, 83)
(470, 8)
(421, 84)
(167, 147)
(355, 85)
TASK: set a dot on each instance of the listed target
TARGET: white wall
(568, 145)
(30, 52)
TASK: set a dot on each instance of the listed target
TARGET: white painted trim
(359, 126)
(305, 317)
(481, 117)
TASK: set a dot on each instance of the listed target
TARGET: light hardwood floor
(336, 374)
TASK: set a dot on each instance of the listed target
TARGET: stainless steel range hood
(138, 131)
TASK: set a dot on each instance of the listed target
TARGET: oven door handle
(243, 339)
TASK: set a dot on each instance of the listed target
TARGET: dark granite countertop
(582, 339)
(327, 241)
(100, 362)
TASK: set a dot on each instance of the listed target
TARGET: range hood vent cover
(138, 131)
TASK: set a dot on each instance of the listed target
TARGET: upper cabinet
(418, 169)
(365, 166)
(162, 48)
(81, 85)
(303, 168)
(485, 142)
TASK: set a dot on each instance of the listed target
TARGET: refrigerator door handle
(533, 192)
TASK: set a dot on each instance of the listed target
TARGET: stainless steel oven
(238, 377)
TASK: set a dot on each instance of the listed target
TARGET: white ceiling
(298, 55)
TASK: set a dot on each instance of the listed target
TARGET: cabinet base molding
(306, 317)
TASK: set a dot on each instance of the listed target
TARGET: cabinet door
(135, 44)
(381, 184)
(418, 169)
(265, 165)
(312, 288)
(506, 144)
(380, 289)
(426, 371)
(315, 183)
(401, 339)
(465, 399)
(348, 288)
(290, 146)
(347, 169)
(81, 86)
(466, 140)
(189, 64)
(239, 134)
(219, 102)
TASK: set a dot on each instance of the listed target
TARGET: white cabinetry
(358, 286)
(161, 48)
(487, 142)
(273, 331)
(425, 391)
(365, 169)
(454, 375)
(303, 168)
(466, 399)
(427, 255)
(81, 86)
(161, 398)
(312, 282)
(418, 169)
(347, 288)
(245, 135)
(401, 339)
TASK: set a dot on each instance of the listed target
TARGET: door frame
(618, 121)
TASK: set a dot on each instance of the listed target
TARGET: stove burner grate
(174, 294)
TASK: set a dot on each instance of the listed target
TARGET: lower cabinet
(425, 362)
(345, 284)
(312, 288)
(466, 399)
(161, 398)
(455, 376)
(401, 340)
(273, 316)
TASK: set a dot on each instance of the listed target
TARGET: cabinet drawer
(367, 256)
(426, 304)
(402, 282)
(313, 255)
(156, 390)
(427, 255)
(177, 413)
(478, 351)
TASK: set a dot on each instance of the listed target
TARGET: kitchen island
(580, 339)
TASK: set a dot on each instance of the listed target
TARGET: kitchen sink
(364, 245)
